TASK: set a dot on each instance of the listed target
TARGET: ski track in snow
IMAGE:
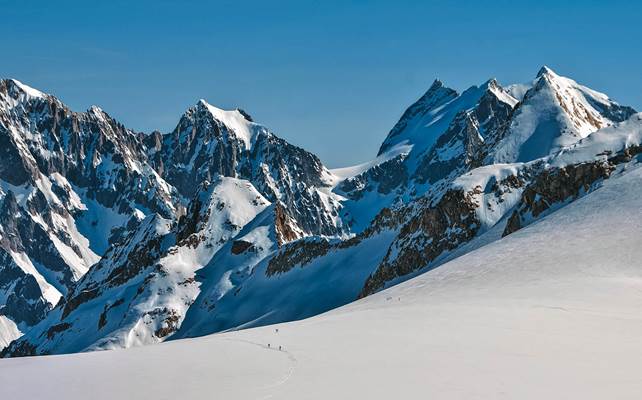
(285, 377)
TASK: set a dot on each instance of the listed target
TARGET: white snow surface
(518, 90)
(551, 311)
(554, 113)
(9, 331)
(28, 89)
(341, 174)
(601, 144)
(244, 129)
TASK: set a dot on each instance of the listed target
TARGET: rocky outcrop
(209, 142)
(382, 178)
(297, 253)
(469, 137)
(433, 230)
(23, 302)
(224, 221)
(241, 246)
(555, 187)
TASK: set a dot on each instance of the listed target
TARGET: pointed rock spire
(545, 70)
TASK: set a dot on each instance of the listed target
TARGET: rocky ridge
(250, 230)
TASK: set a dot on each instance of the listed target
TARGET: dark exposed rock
(468, 138)
(19, 349)
(245, 114)
(284, 225)
(25, 303)
(170, 323)
(384, 178)
(426, 235)
(102, 321)
(614, 112)
(240, 246)
(77, 299)
(297, 253)
(51, 332)
(23, 234)
(302, 252)
(555, 186)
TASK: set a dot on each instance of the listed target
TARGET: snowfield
(551, 311)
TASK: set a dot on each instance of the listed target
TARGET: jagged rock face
(66, 179)
(434, 230)
(21, 234)
(299, 253)
(556, 186)
(200, 148)
(97, 302)
(448, 134)
(302, 252)
(457, 150)
(91, 150)
(297, 180)
(143, 286)
(383, 178)
(259, 228)
(210, 142)
(471, 134)
(20, 293)
(120, 264)
(76, 186)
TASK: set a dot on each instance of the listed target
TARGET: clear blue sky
(316, 73)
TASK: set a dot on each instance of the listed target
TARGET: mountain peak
(21, 87)
(237, 120)
(221, 114)
(491, 83)
(94, 109)
(203, 103)
(494, 88)
(436, 84)
(545, 70)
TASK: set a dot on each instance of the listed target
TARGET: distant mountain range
(112, 238)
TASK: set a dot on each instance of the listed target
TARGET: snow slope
(550, 311)
(8, 331)
(556, 112)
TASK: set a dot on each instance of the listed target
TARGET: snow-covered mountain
(554, 113)
(222, 225)
(79, 190)
(69, 182)
(551, 311)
